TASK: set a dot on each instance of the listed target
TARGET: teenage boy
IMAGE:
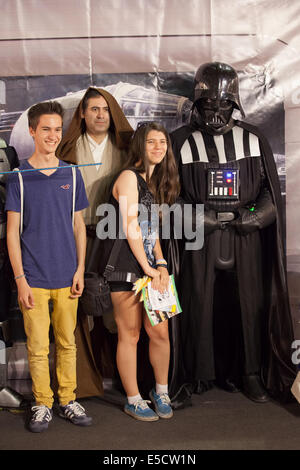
(47, 254)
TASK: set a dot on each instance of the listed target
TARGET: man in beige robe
(98, 133)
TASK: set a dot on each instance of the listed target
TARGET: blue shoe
(40, 419)
(162, 404)
(75, 413)
(140, 410)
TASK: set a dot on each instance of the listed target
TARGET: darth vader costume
(236, 328)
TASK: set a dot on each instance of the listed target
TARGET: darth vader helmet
(216, 94)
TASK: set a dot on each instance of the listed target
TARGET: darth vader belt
(225, 216)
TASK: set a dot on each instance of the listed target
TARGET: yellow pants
(37, 324)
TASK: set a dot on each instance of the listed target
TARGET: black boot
(228, 385)
(254, 390)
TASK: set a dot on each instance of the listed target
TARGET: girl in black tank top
(151, 178)
(127, 269)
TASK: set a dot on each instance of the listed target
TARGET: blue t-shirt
(47, 242)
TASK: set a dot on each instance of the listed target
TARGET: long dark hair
(164, 182)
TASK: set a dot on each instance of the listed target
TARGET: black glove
(257, 217)
(185, 214)
(211, 222)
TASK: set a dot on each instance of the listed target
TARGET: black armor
(225, 287)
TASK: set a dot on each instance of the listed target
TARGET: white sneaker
(42, 415)
(75, 413)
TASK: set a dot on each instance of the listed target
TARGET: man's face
(47, 134)
(97, 117)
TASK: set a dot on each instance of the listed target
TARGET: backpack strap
(74, 194)
(21, 198)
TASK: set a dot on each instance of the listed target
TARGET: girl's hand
(164, 278)
(151, 272)
(155, 282)
(155, 275)
(160, 279)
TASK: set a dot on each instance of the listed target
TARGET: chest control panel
(223, 184)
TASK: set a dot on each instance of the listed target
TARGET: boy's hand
(78, 284)
(25, 296)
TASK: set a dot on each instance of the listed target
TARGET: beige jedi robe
(97, 181)
(296, 387)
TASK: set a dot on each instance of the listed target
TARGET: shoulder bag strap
(113, 256)
(21, 198)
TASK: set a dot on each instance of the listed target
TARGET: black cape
(261, 281)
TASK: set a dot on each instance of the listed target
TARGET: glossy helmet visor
(217, 81)
(216, 94)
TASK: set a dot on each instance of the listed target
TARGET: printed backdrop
(146, 54)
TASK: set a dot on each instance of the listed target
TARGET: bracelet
(19, 277)
(162, 260)
(161, 265)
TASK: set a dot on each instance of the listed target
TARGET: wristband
(19, 277)
(161, 265)
(159, 261)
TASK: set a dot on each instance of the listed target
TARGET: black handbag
(96, 298)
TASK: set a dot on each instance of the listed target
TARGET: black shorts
(120, 286)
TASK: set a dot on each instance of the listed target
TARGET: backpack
(8, 159)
